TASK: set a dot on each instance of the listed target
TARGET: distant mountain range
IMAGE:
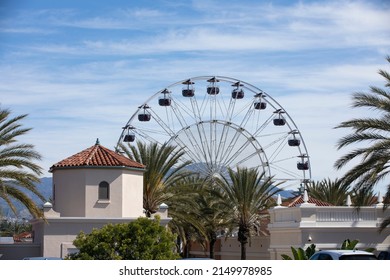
(44, 187)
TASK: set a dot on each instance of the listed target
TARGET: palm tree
(246, 193)
(182, 209)
(213, 214)
(198, 212)
(374, 157)
(327, 190)
(163, 168)
(18, 172)
(363, 197)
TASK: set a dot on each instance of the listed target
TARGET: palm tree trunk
(186, 249)
(243, 236)
(211, 248)
(212, 239)
(243, 250)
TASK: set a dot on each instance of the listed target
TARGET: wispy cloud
(235, 27)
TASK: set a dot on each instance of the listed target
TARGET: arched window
(104, 190)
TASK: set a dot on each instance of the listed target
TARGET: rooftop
(299, 200)
(97, 156)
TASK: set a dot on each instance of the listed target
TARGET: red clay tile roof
(24, 235)
(299, 200)
(97, 155)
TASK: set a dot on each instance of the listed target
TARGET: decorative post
(349, 202)
(380, 200)
(279, 200)
(305, 197)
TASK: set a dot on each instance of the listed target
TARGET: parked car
(43, 258)
(384, 255)
(343, 255)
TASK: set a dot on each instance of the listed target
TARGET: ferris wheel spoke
(277, 148)
(236, 154)
(145, 135)
(199, 142)
(205, 142)
(224, 134)
(231, 145)
(247, 112)
(221, 111)
(191, 153)
(230, 110)
(192, 148)
(182, 112)
(234, 140)
(192, 144)
(222, 140)
(196, 109)
(212, 142)
(203, 106)
(283, 159)
(285, 171)
(202, 140)
(201, 132)
(263, 126)
(166, 127)
(225, 111)
(252, 155)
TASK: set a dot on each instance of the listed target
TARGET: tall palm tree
(18, 172)
(327, 190)
(213, 213)
(163, 168)
(373, 133)
(182, 209)
(247, 193)
(198, 212)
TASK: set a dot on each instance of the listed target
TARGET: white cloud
(267, 28)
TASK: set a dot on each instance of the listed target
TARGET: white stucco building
(303, 221)
(308, 222)
(90, 189)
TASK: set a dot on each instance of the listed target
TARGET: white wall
(69, 192)
(132, 194)
(76, 192)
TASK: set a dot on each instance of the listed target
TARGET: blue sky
(80, 69)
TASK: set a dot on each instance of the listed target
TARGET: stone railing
(309, 212)
(347, 214)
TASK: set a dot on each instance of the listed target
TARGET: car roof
(346, 252)
(42, 258)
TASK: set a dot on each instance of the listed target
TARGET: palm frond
(17, 164)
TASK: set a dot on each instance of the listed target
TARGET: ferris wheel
(222, 122)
